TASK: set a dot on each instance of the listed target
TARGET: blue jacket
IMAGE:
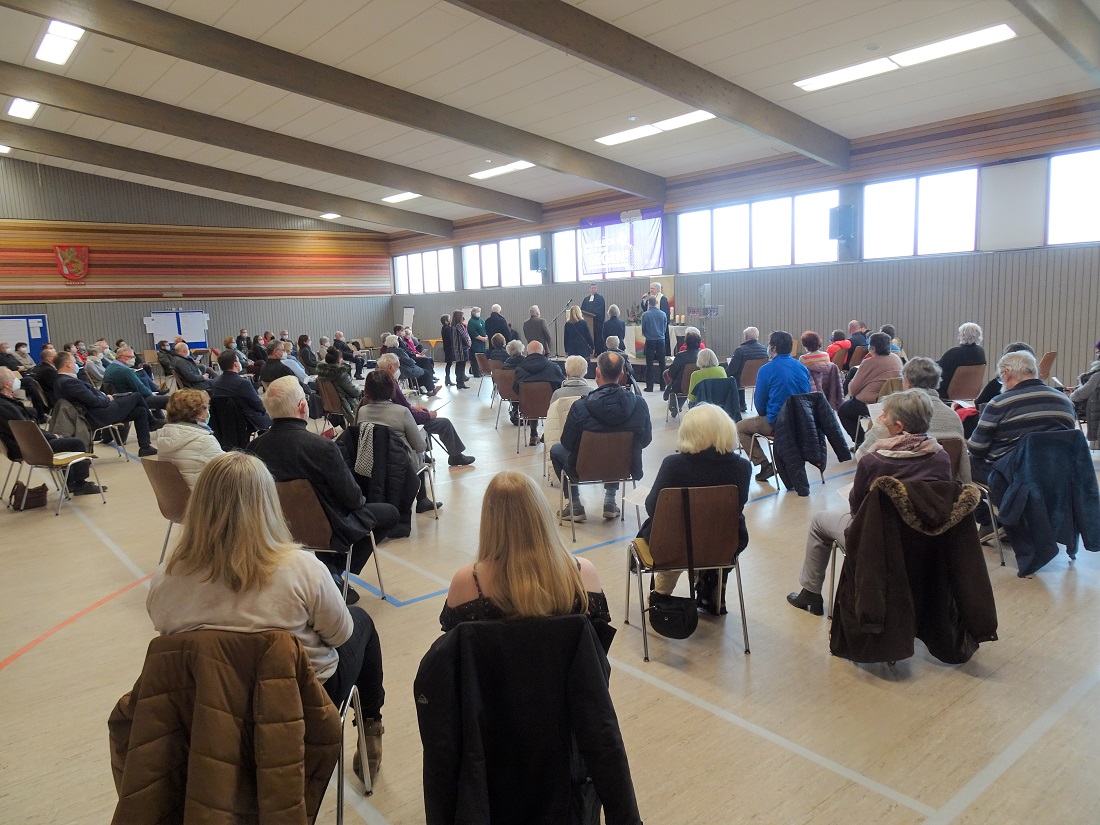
(777, 381)
(654, 324)
(608, 409)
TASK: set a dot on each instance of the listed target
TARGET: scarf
(907, 445)
(364, 457)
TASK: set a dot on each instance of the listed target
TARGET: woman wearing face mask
(231, 345)
(187, 440)
(23, 356)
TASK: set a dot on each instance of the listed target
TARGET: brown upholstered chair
(602, 458)
(504, 381)
(966, 383)
(37, 454)
(534, 402)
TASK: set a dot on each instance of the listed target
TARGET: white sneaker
(611, 510)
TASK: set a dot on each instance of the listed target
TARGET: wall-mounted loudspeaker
(842, 223)
(538, 260)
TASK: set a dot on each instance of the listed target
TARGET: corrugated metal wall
(31, 191)
(316, 317)
(1048, 297)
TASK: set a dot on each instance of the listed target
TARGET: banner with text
(622, 242)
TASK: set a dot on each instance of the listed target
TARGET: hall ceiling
(278, 134)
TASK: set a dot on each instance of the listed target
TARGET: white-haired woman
(706, 366)
(967, 353)
(575, 383)
(237, 568)
(707, 457)
(578, 338)
(522, 569)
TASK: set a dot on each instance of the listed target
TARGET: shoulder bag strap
(685, 499)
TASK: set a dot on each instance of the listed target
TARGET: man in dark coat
(291, 451)
(101, 410)
(496, 323)
(536, 367)
(749, 350)
(595, 305)
(45, 373)
(231, 384)
(191, 373)
(349, 354)
(609, 408)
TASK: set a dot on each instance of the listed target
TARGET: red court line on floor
(34, 643)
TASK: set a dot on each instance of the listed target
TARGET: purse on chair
(676, 617)
(36, 496)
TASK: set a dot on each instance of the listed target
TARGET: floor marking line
(776, 739)
(109, 543)
(35, 642)
(999, 765)
(428, 574)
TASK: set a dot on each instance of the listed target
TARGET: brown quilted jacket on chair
(223, 728)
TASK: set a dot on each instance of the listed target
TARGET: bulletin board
(191, 324)
(30, 328)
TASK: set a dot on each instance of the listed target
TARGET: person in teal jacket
(479, 339)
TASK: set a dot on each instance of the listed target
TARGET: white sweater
(302, 598)
(189, 447)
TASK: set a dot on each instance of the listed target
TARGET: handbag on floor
(36, 496)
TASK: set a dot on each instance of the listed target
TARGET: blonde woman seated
(187, 440)
(706, 366)
(237, 568)
(522, 568)
(707, 457)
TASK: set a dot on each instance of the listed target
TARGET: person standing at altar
(595, 305)
(663, 305)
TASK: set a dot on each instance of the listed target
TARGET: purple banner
(621, 242)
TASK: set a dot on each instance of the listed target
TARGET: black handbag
(676, 617)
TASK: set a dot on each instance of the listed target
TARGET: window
(947, 212)
(1074, 210)
(501, 263)
(771, 232)
(564, 247)
(471, 267)
(694, 241)
(620, 249)
(731, 237)
(424, 272)
(490, 273)
(812, 244)
(889, 216)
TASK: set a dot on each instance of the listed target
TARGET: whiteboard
(191, 324)
(29, 328)
(407, 317)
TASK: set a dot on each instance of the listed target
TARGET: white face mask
(22, 350)
(130, 362)
(16, 384)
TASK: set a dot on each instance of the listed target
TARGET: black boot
(447, 376)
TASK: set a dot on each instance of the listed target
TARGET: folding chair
(485, 367)
(858, 354)
(503, 382)
(713, 543)
(38, 454)
(602, 458)
(534, 402)
(748, 375)
(172, 494)
(230, 425)
(310, 526)
(967, 383)
(330, 400)
(685, 384)
(16, 462)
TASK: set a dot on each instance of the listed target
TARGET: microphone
(569, 303)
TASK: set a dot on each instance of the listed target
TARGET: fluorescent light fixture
(4, 149)
(403, 196)
(58, 43)
(629, 134)
(22, 108)
(502, 170)
(857, 72)
(698, 116)
(330, 216)
(954, 45)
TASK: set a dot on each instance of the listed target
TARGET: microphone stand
(555, 322)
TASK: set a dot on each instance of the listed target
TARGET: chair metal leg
(95, 475)
(641, 609)
(164, 547)
(741, 598)
(4, 489)
(18, 467)
(629, 558)
(499, 405)
(361, 744)
(377, 567)
(520, 430)
(832, 581)
(996, 529)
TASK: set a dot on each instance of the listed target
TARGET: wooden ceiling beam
(179, 37)
(1071, 25)
(96, 153)
(567, 28)
(120, 107)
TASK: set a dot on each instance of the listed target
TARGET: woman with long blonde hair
(578, 337)
(522, 569)
(238, 568)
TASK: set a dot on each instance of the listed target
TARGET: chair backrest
(749, 370)
(956, 451)
(483, 363)
(889, 387)
(169, 487)
(967, 382)
(230, 425)
(605, 456)
(1046, 365)
(858, 354)
(534, 398)
(330, 398)
(840, 356)
(714, 540)
(304, 515)
(503, 381)
(368, 343)
(685, 379)
(32, 443)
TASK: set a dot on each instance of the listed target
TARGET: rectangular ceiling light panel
(22, 108)
(58, 43)
(954, 45)
(502, 170)
(847, 75)
(402, 196)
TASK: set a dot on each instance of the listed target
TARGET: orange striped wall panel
(143, 261)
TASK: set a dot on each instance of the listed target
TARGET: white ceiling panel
(19, 35)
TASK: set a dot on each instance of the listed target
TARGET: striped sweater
(1031, 406)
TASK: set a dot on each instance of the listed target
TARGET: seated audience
(79, 351)
(94, 365)
(322, 348)
(706, 457)
(230, 344)
(45, 373)
(876, 369)
(838, 341)
(515, 352)
(193, 375)
(237, 568)
(378, 408)
(924, 374)
(895, 342)
(537, 367)
(24, 361)
(243, 341)
(410, 370)
(811, 342)
(336, 372)
(278, 364)
(102, 410)
(609, 408)
(688, 355)
(440, 428)
(968, 352)
(908, 454)
(1086, 399)
(187, 440)
(497, 352)
(575, 383)
(291, 451)
(123, 375)
(1027, 405)
(857, 334)
(994, 388)
(749, 350)
(105, 351)
(776, 381)
(306, 356)
(578, 338)
(349, 354)
(231, 384)
(258, 351)
(522, 568)
(11, 409)
(706, 367)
